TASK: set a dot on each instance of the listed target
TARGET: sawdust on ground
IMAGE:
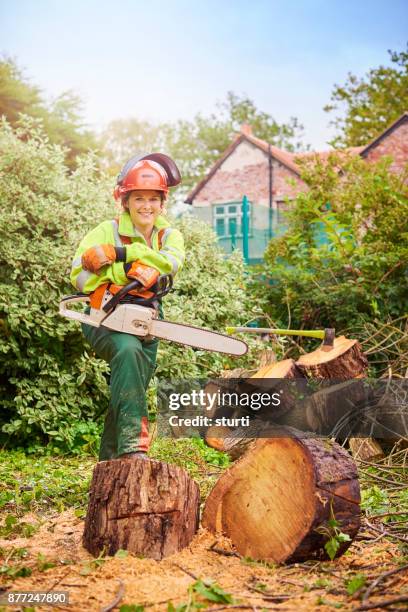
(93, 586)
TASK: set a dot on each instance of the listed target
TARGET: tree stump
(276, 501)
(147, 507)
(343, 361)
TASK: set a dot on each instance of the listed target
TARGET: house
(270, 178)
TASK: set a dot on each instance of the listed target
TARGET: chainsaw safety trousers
(132, 363)
(166, 253)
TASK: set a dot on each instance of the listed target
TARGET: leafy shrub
(48, 381)
(343, 258)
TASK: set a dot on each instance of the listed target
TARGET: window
(227, 220)
(282, 207)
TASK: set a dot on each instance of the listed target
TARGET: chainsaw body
(139, 316)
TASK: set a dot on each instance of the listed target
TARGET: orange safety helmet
(154, 171)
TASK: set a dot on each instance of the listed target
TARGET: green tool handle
(314, 333)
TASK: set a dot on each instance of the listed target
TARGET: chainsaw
(139, 316)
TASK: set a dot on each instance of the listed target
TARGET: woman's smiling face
(144, 207)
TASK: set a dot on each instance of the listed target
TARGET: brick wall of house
(246, 172)
(394, 144)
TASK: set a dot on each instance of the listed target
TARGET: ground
(41, 550)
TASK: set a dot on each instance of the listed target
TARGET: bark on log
(326, 408)
(275, 502)
(344, 361)
(144, 506)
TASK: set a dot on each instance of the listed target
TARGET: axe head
(328, 339)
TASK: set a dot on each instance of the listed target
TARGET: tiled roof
(286, 158)
(384, 134)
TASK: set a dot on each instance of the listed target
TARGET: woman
(138, 245)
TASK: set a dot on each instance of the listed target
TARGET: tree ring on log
(275, 500)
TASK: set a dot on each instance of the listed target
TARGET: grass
(44, 484)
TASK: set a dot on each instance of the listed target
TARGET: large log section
(343, 361)
(273, 501)
(144, 506)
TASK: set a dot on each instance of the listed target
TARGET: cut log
(216, 435)
(265, 380)
(280, 369)
(276, 501)
(147, 507)
(237, 441)
(366, 449)
(332, 407)
(344, 361)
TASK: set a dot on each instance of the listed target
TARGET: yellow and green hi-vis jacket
(166, 253)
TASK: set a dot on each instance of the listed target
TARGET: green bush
(343, 259)
(212, 292)
(50, 380)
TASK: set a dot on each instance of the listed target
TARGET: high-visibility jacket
(166, 253)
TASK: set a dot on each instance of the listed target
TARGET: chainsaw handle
(120, 294)
(73, 314)
(162, 286)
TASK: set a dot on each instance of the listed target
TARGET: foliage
(41, 484)
(343, 259)
(374, 500)
(48, 381)
(355, 583)
(197, 143)
(52, 386)
(211, 291)
(335, 537)
(61, 118)
(372, 103)
(200, 592)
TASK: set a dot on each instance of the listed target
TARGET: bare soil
(94, 585)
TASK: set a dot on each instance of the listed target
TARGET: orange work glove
(98, 256)
(144, 274)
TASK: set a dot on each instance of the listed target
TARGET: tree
(196, 144)
(61, 118)
(17, 95)
(343, 260)
(370, 104)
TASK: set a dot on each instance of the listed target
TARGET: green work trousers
(132, 362)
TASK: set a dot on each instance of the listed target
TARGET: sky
(163, 60)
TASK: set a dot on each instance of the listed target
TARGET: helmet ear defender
(163, 173)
